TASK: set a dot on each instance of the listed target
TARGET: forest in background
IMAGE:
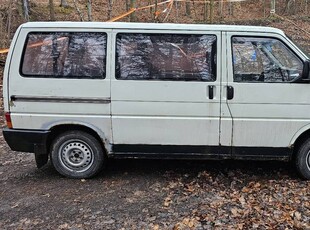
(293, 16)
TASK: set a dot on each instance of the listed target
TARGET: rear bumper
(33, 141)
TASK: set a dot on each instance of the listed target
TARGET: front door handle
(230, 92)
(211, 91)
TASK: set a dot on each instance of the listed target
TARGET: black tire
(302, 160)
(77, 154)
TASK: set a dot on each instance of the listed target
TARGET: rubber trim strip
(61, 99)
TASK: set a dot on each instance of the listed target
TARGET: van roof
(150, 26)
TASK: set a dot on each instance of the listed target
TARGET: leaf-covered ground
(138, 194)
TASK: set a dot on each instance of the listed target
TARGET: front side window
(65, 55)
(258, 59)
(171, 57)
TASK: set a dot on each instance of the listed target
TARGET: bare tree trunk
(221, 9)
(211, 10)
(110, 7)
(177, 11)
(231, 8)
(127, 5)
(306, 7)
(188, 9)
(2, 33)
(132, 6)
(9, 22)
(89, 10)
(64, 4)
(151, 10)
(205, 16)
(195, 12)
(25, 4)
(52, 10)
(290, 7)
(273, 7)
(78, 10)
(2, 36)
(155, 11)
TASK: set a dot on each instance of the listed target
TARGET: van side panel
(40, 103)
(8, 65)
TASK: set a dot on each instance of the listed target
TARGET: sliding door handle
(230, 92)
(211, 91)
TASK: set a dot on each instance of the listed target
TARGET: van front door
(166, 92)
(267, 100)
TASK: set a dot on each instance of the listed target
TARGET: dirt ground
(140, 194)
(159, 194)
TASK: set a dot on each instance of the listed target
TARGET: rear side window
(172, 57)
(65, 55)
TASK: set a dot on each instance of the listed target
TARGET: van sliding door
(166, 92)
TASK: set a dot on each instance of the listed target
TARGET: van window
(258, 59)
(65, 55)
(166, 57)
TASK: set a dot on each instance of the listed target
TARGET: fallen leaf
(167, 202)
(297, 215)
(14, 206)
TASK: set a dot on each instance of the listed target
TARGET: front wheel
(77, 154)
(303, 160)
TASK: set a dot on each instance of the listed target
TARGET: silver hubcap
(76, 155)
(308, 160)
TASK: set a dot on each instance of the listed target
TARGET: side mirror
(306, 71)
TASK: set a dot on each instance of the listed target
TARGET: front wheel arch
(302, 159)
(300, 140)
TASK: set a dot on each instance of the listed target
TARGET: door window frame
(230, 67)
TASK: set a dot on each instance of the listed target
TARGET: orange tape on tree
(4, 51)
(122, 16)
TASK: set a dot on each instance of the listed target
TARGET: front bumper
(33, 141)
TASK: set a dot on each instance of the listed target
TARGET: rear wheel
(77, 154)
(303, 160)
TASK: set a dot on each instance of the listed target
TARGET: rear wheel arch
(57, 130)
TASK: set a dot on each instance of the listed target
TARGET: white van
(85, 92)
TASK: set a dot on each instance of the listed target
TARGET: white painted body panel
(267, 114)
(44, 115)
(166, 112)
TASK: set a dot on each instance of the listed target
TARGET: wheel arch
(61, 128)
(299, 138)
